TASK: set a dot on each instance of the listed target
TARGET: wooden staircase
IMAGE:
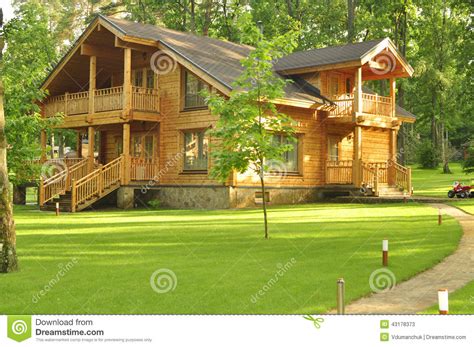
(76, 192)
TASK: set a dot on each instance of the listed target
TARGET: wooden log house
(132, 90)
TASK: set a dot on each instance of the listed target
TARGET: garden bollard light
(443, 301)
(440, 217)
(385, 252)
(340, 296)
(57, 209)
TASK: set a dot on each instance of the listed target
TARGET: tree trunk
(8, 259)
(264, 201)
(351, 4)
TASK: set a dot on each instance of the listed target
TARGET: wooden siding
(375, 144)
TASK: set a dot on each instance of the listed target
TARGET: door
(143, 152)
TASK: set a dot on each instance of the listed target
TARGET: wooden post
(385, 252)
(127, 82)
(43, 145)
(356, 167)
(340, 296)
(79, 144)
(392, 96)
(358, 92)
(73, 196)
(90, 148)
(440, 217)
(376, 182)
(126, 153)
(393, 157)
(100, 187)
(410, 190)
(443, 301)
(41, 192)
(65, 103)
(92, 85)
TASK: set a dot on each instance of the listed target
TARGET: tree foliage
(247, 120)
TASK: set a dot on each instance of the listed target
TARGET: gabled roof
(220, 61)
(326, 56)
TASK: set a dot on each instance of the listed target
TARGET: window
(196, 146)
(192, 88)
(138, 78)
(118, 146)
(150, 79)
(143, 146)
(289, 160)
(348, 86)
(333, 148)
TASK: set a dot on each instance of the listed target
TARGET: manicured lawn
(464, 204)
(460, 302)
(432, 182)
(219, 257)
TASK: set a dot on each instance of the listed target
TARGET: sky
(6, 5)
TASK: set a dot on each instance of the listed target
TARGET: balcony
(372, 104)
(105, 100)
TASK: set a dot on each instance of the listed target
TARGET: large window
(289, 159)
(192, 89)
(196, 147)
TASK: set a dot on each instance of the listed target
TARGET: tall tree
(247, 121)
(8, 258)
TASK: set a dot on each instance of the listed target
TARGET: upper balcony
(102, 101)
(372, 104)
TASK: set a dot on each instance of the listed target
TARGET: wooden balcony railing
(143, 169)
(108, 99)
(371, 104)
(339, 171)
(145, 99)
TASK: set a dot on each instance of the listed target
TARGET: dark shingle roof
(325, 56)
(220, 59)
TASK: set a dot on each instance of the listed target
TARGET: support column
(392, 95)
(126, 153)
(79, 144)
(90, 148)
(127, 82)
(92, 85)
(356, 166)
(43, 145)
(358, 91)
(393, 156)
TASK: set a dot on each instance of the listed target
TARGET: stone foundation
(245, 196)
(125, 197)
(196, 197)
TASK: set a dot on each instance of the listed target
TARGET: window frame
(183, 145)
(298, 154)
(184, 107)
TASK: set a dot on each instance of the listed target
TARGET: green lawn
(464, 204)
(219, 257)
(460, 302)
(432, 182)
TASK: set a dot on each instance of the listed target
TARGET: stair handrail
(373, 177)
(59, 183)
(95, 183)
(402, 175)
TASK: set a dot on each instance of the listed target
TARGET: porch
(369, 175)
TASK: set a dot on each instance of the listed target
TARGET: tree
(468, 163)
(8, 258)
(248, 121)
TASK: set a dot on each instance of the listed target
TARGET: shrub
(428, 155)
(154, 204)
(468, 163)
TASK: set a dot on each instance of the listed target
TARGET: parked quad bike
(461, 191)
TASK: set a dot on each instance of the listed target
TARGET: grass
(219, 257)
(466, 205)
(432, 182)
(460, 302)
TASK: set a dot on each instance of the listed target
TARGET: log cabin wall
(375, 144)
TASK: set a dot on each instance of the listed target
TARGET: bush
(154, 204)
(428, 155)
(468, 163)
